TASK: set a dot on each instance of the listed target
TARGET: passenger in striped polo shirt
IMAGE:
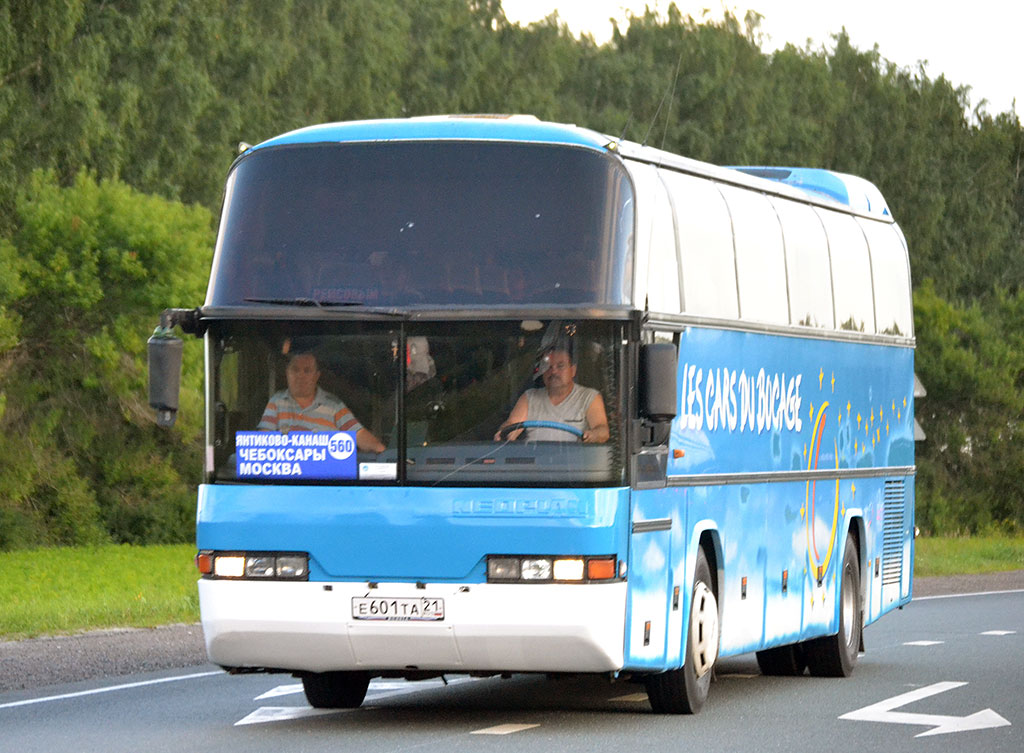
(304, 406)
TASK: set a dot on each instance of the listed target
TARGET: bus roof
(818, 185)
(523, 128)
(854, 192)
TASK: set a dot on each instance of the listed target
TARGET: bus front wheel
(835, 655)
(335, 690)
(684, 690)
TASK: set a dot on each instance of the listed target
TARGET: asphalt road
(927, 669)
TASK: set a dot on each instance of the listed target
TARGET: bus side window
(760, 263)
(657, 259)
(894, 312)
(851, 272)
(808, 274)
(663, 275)
(706, 251)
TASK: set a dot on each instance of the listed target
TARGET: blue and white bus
(749, 330)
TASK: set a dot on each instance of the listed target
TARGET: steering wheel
(568, 428)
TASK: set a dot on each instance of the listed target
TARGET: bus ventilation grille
(892, 538)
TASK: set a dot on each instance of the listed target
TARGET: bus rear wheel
(335, 690)
(835, 655)
(684, 690)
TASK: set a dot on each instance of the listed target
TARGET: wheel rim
(703, 629)
(849, 608)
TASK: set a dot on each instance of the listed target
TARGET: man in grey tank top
(561, 400)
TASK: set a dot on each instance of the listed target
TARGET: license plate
(401, 609)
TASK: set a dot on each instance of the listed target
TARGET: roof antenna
(629, 119)
(614, 145)
(661, 104)
(671, 100)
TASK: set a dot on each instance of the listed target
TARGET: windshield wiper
(303, 302)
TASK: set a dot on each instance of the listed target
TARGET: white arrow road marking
(283, 713)
(631, 698)
(503, 729)
(378, 689)
(386, 689)
(883, 712)
(279, 691)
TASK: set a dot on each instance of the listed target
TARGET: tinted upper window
(705, 245)
(807, 265)
(894, 310)
(425, 223)
(760, 261)
(851, 272)
(657, 262)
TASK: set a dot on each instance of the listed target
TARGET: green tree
(81, 459)
(972, 362)
(156, 95)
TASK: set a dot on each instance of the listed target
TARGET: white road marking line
(503, 729)
(999, 632)
(883, 712)
(976, 593)
(631, 698)
(110, 689)
(924, 643)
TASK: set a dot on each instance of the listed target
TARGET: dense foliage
(106, 106)
(80, 460)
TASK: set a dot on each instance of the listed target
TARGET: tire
(835, 655)
(335, 690)
(684, 690)
(782, 661)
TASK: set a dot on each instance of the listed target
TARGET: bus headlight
(260, 566)
(537, 568)
(502, 568)
(229, 566)
(253, 565)
(293, 566)
(568, 569)
(548, 569)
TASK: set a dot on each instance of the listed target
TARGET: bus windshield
(434, 397)
(418, 223)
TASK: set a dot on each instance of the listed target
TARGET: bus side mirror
(165, 352)
(658, 396)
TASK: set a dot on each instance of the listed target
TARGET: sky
(974, 43)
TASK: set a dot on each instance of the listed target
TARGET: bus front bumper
(486, 627)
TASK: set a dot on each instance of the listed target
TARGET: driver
(561, 400)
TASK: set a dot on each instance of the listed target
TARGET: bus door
(656, 592)
(657, 549)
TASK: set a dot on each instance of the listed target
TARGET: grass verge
(64, 590)
(67, 590)
(967, 555)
